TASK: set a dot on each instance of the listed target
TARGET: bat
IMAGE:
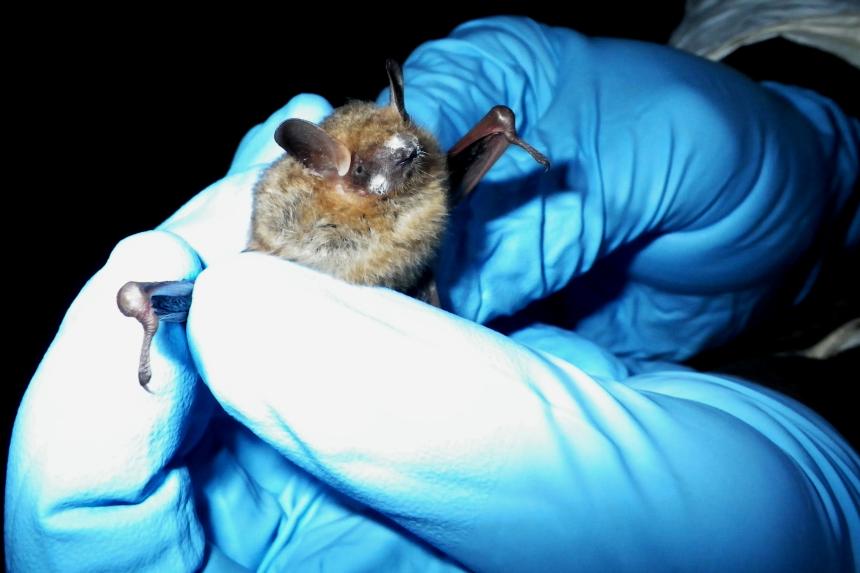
(364, 197)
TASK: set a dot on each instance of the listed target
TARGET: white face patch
(378, 184)
(395, 142)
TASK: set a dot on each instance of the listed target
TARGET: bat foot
(148, 303)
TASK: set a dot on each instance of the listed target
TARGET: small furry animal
(364, 197)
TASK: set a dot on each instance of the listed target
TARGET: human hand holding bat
(376, 431)
(364, 197)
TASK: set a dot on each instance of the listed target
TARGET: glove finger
(89, 459)
(328, 372)
(472, 442)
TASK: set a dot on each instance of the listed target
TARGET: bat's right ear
(395, 85)
(316, 149)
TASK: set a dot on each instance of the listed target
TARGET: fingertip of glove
(310, 107)
(154, 256)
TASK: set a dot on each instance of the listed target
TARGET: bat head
(366, 149)
(365, 195)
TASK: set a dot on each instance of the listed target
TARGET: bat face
(363, 197)
(389, 155)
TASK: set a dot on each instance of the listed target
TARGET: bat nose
(408, 155)
(408, 152)
(400, 151)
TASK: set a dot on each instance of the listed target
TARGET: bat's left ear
(395, 82)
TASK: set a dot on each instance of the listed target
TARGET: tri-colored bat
(364, 197)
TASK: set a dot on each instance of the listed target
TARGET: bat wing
(171, 301)
(474, 155)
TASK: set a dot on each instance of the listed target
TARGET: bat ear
(395, 83)
(316, 149)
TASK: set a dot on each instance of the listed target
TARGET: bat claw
(536, 155)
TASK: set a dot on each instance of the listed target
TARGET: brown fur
(330, 225)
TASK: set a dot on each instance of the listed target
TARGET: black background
(119, 118)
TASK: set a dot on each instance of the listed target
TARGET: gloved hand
(92, 482)
(421, 431)
(684, 197)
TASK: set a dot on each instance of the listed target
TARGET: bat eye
(359, 170)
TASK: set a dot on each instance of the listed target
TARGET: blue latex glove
(690, 193)
(417, 432)
(92, 483)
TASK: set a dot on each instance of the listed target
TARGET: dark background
(145, 109)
